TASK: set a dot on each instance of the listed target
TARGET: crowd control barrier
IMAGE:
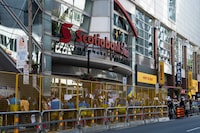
(82, 119)
(19, 120)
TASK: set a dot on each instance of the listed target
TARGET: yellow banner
(195, 87)
(146, 78)
(190, 80)
(161, 75)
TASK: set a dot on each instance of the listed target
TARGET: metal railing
(14, 121)
(83, 118)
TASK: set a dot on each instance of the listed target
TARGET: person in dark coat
(171, 108)
(182, 103)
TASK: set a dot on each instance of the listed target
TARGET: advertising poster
(22, 51)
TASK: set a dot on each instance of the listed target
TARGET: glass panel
(189, 56)
(79, 4)
(47, 61)
(140, 41)
(47, 23)
(172, 9)
(47, 5)
(143, 24)
(68, 13)
(37, 26)
(164, 45)
(139, 49)
(47, 42)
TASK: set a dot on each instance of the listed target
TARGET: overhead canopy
(6, 62)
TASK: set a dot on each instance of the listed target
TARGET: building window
(172, 9)
(189, 56)
(144, 41)
(164, 45)
(178, 51)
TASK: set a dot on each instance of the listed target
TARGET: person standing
(187, 108)
(24, 106)
(171, 108)
(55, 103)
(14, 103)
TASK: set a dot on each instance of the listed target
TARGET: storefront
(147, 90)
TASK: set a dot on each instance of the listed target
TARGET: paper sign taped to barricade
(67, 97)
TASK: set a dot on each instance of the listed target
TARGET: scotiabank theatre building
(105, 39)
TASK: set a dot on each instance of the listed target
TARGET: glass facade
(172, 10)
(190, 60)
(144, 42)
(178, 50)
(70, 12)
(11, 30)
(121, 31)
(164, 45)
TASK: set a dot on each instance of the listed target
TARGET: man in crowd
(24, 106)
(55, 103)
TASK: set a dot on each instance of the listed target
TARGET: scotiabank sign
(118, 47)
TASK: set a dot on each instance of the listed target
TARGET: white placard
(34, 81)
(124, 80)
(26, 74)
(67, 97)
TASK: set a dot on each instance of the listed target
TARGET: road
(184, 125)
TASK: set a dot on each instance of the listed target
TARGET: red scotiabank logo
(65, 32)
(118, 47)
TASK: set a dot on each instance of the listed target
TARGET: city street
(185, 125)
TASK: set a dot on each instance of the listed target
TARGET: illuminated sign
(146, 78)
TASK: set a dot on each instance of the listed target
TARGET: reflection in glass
(172, 9)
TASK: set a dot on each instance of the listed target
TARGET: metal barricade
(91, 117)
(58, 119)
(135, 113)
(19, 120)
(150, 114)
(82, 118)
(163, 111)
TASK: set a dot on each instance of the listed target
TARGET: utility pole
(30, 23)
